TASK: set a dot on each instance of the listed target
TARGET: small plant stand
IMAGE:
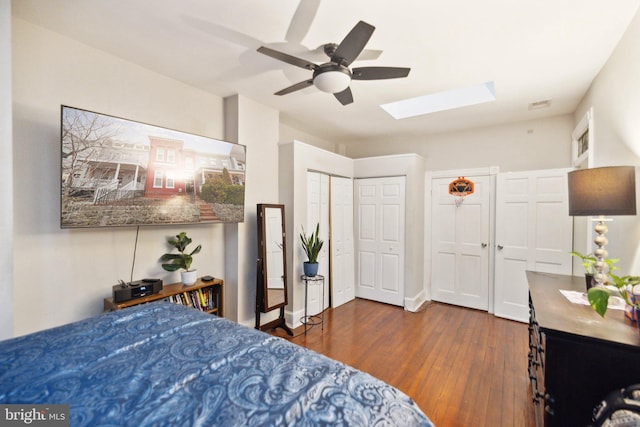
(315, 319)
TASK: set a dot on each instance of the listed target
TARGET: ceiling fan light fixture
(333, 80)
(335, 76)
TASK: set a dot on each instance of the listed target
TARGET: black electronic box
(138, 289)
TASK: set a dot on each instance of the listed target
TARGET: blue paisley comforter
(162, 364)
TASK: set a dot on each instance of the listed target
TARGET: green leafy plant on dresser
(589, 262)
(599, 296)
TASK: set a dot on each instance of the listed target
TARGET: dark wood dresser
(576, 357)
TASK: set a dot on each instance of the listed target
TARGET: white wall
(255, 126)
(63, 275)
(615, 97)
(534, 144)
(6, 174)
(289, 133)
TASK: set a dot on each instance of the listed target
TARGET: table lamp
(601, 192)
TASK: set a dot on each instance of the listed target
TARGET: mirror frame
(262, 300)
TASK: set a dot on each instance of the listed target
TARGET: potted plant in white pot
(311, 245)
(181, 261)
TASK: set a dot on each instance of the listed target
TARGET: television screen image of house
(118, 172)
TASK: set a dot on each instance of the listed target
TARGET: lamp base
(601, 253)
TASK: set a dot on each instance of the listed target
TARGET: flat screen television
(117, 172)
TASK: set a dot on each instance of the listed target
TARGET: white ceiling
(536, 50)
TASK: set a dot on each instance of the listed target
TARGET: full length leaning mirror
(271, 291)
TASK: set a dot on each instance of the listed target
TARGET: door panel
(390, 272)
(460, 238)
(318, 213)
(380, 239)
(367, 268)
(533, 232)
(342, 245)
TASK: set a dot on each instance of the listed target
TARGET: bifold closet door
(342, 249)
(318, 213)
(380, 236)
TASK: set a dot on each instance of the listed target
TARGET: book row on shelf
(203, 299)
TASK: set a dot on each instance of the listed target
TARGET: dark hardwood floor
(463, 367)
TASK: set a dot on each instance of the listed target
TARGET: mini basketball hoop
(460, 188)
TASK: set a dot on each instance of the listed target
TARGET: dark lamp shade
(602, 191)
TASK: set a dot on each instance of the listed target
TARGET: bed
(165, 364)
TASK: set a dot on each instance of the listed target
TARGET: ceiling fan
(334, 76)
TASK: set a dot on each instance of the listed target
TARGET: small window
(160, 154)
(582, 142)
(157, 179)
(171, 156)
(170, 180)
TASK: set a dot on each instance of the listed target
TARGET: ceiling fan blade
(369, 54)
(302, 19)
(319, 54)
(353, 43)
(289, 59)
(379, 73)
(345, 97)
(295, 87)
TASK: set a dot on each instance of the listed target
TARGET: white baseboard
(413, 304)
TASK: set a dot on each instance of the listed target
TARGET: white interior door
(460, 244)
(380, 232)
(342, 260)
(533, 232)
(318, 213)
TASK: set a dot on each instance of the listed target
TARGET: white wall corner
(426, 281)
(413, 304)
(6, 174)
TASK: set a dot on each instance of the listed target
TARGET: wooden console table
(204, 296)
(576, 357)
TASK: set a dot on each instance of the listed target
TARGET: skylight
(441, 101)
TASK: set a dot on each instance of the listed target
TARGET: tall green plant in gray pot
(183, 259)
(312, 244)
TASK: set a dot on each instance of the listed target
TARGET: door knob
(484, 245)
(500, 247)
